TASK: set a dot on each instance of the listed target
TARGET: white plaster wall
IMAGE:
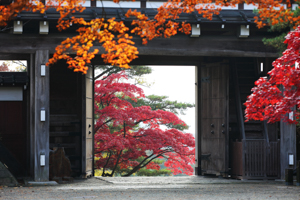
(87, 3)
(122, 4)
(154, 4)
(11, 94)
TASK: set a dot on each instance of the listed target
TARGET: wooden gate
(214, 118)
(258, 160)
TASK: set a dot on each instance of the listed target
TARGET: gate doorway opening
(14, 133)
(175, 84)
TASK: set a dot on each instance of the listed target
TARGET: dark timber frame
(39, 130)
(215, 47)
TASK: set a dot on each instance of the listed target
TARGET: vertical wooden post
(93, 3)
(241, 6)
(197, 153)
(143, 3)
(39, 129)
(31, 113)
(298, 174)
(287, 146)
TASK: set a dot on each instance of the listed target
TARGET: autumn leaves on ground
(119, 140)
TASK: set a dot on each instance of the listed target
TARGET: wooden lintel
(176, 46)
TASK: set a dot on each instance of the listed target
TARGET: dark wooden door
(214, 118)
(13, 135)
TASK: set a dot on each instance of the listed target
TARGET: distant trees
(4, 67)
(16, 66)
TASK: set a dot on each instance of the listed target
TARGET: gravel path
(156, 188)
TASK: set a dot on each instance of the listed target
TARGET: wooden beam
(39, 93)
(14, 56)
(180, 45)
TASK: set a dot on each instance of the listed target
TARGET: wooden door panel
(13, 129)
(206, 90)
(217, 108)
(214, 120)
(214, 161)
(217, 86)
(214, 125)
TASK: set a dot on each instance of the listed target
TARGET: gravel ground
(156, 188)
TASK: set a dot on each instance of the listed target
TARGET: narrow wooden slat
(93, 3)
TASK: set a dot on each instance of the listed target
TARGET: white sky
(178, 83)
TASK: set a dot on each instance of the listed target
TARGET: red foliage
(272, 98)
(4, 67)
(119, 141)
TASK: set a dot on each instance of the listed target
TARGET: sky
(178, 83)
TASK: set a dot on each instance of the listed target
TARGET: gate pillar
(39, 116)
(287, 146)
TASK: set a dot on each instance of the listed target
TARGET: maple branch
(106, 162)
(117, 163)
(136, 123)
(108, 103)
(139, 166)
(124, 129)
(140, 136)
(103, 124)
(115, 71)
(6, 28)
(152, 159)
(103, 10)
(96, 77)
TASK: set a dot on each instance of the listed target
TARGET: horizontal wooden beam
(180, 45)
(231, 16)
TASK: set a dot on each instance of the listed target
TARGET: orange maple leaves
(7, 12)
(64, 7)
(115, 37)
(120, 50)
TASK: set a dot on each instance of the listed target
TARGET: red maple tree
(4, 67)
(120, 140)
(275, 96)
